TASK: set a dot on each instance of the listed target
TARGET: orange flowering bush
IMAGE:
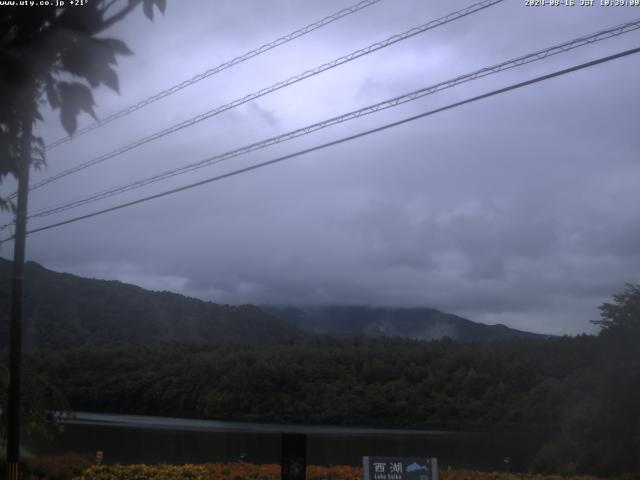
(60, 467)
(339, 472)
(249, 471)
(217, 471)
(475, 475)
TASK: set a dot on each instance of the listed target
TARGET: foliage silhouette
(52, 54)
(622, 316)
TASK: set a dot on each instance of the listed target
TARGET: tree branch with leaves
(622, 316)
(53, 55)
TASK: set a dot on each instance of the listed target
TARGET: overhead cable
(393, 102)
(277, 86)
(212, 71)
(341, 140)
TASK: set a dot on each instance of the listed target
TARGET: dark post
(294, 456)
(15, 335)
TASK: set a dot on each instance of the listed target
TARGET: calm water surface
(141, 439)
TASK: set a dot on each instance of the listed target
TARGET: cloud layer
(520, 209)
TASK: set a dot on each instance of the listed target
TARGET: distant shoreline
(189, 424)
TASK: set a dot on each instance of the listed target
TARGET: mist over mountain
(413, 323)
(66, 311)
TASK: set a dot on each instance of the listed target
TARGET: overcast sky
(517, 209)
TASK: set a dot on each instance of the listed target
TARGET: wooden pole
(15, 325)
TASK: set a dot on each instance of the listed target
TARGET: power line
(344, 139)
(522, 60)
(277, 86)
(213, 71)
(405, 98)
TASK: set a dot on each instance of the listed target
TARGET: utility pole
(15, 325)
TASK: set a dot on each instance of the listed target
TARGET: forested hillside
(360, 382)
(65, 311)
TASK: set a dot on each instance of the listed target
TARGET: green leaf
(84, 21)
(147, 8)
(81, 57)
(68, 119)
(110, 79)
(75, 97)
(162, 5)
(118, 46)
(52, 93)
(92, 59)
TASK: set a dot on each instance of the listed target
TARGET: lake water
(140, 439)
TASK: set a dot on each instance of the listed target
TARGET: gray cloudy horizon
(517, 209)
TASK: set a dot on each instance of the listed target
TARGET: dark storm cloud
(519, 209)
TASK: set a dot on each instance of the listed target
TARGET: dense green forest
(358, 381)
(585, 388)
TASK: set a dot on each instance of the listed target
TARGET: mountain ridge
(416, 323)
(63, 310)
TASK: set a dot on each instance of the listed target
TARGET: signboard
(400, 468)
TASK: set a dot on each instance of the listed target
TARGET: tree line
(585, 388)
